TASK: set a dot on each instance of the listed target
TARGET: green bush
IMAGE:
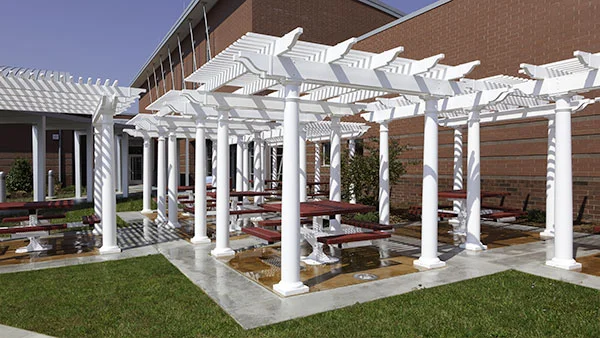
(536, 215)
(372, 216)
(20, 177)
(362, 171)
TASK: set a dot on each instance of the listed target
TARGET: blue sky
(108, 38)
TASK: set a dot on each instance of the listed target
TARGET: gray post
(2, 187)
(50, 184)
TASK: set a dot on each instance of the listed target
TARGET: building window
(325, 153)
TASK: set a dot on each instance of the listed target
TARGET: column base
(547, 234)
(146, 211)
(565, 264)
(223, 252)
(290, 289)
(104, 250)
(172, 225)
(474, 246)
(97, 231)
(200, 240)
(429, 263)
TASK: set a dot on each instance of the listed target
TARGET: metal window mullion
(171, 68)
(181, 63)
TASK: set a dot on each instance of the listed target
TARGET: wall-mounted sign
(55, 137)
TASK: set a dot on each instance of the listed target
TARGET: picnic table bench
(355, 237)
(367, 225)
(271, 236)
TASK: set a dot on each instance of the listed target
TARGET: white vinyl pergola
(30, 90)
(281, 74)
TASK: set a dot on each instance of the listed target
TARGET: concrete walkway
(13, 332)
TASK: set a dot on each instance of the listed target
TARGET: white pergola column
(258, 176)
(77, 155)
(146, 176)
(187, 162)
(317, 167)
(429, 235)
(290, 283)
(97, 175)
(161, 180)
(173, 156)
(125, 165)
(274, 165)
(335, 172)
(109, 199)
(474, 184)
(89, 164)
(384, 174)
(38, 133)
(302, 157)
(563, 190)
(457, 183)
(222, 248)
(245, 170)
(239, 164)
(117, 142)
(351, 154)
(264, 149)
(550, 177)
(200, 236)
(214, 159)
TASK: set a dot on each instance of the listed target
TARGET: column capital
(384, 127)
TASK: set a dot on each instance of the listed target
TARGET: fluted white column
(89, 164)
(290, 283)
(222, 247)
(109, 201)
(187, 162)
(335, 170)
(117, 142)
(258, 176)
(245, 170)
(550, 177)
(274, 165)
(457, 183)
(173, 156)
(77, 155)
(351, 154)
(97, 140)
(302, 155)
(429, 229)
(146, 176)
(38, 131)
(563, 190)
(239, 164)
(384, 174)
(214, 159)
(200, 236)
(317, 167)
(161, 180)
(474, 185)
(125, 165)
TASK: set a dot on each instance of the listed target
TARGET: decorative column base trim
(565, 264)
(290, 289)
(172, 225)
(200, 240)
(223, 252)
(147, 211)
(547, 234)
(474, 246)
(109, 250)
(429, 263)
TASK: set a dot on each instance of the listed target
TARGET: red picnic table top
(462, 194)
(243, 193)
(37, 205)
(323, 208)
(192, 187)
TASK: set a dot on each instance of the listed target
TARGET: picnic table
(318, 209)
(33, 222)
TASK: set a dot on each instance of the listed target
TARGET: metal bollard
(2, 187)
(50, 184)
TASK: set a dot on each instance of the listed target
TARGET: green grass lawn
(148, 297)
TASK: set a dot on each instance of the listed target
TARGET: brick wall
(502, 34)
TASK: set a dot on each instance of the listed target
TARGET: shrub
(536, 215)
(20, 177)
(362, 171)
